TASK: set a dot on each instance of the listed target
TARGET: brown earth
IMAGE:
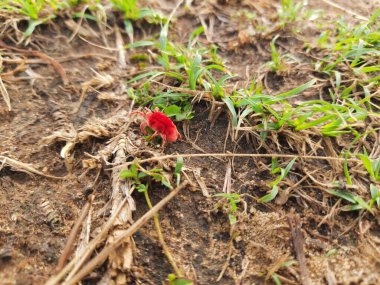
(37, 213)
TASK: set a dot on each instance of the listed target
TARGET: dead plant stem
(5, 94)
(102, 256)
(161, 239)
(77, 261)
(25, 167)
(58, 67)
(74, 232)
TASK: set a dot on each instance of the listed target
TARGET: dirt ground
(37, 213)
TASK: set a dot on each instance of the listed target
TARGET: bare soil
(37, 213)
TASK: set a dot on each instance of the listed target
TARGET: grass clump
(193, 67)
(183, 72)
(36, 12)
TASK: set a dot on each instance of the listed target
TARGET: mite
(161, 124)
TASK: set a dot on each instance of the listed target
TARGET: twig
(102, 256)
(5, 95)
(208, 94)
(286, 280)
(298, 242)
(98, 46)
(77, 261)
(122, 52)
(58, 67)
(26, 167)
(269, 155)
(121, 260)
(78, 27)
(74, 232)
(345, 10)
(227, 179)
(73, 57)
(273, 268)
(84, 236)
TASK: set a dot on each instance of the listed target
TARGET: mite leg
(164, 141)
(138, 113)
(143, 125)
(156, 133)
(179, 137)
(147, 110)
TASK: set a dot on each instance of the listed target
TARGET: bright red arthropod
(161, 124)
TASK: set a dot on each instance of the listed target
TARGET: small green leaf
(269, 197)
(232, 219)
(179, 165)
(171, 277)
(178, 170)
(288, 168)
(275, 169)
(150, 74)
(278, 179)
(275, 279)
(127, 174)
(142, 188)
(165, 182)
(195, 71)
(357, 201)
(181, 281)
(276, 59)
(362, 203)
(142, 175)
(172, 110)
(297, 90)
(344, 195)
(140, 44)
(367, 164)
(196, 33)
(129, 29)
(375, 195)
(156, 170)
(32, 24)
(345, 169)
(331, 252)
(315, 122)
(374, 16)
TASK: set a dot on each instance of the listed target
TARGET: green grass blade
(140, 44)
(367, 164)
(269, 197)
(297, 90)
(150, 74)
(231, 107)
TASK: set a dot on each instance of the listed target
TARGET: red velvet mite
(161, 124)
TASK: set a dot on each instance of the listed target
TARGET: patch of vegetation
(283, 173)
(38, 12)
(185, 72)
(140, 178)
(231, 207)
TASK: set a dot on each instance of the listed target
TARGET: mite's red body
(161, 124)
